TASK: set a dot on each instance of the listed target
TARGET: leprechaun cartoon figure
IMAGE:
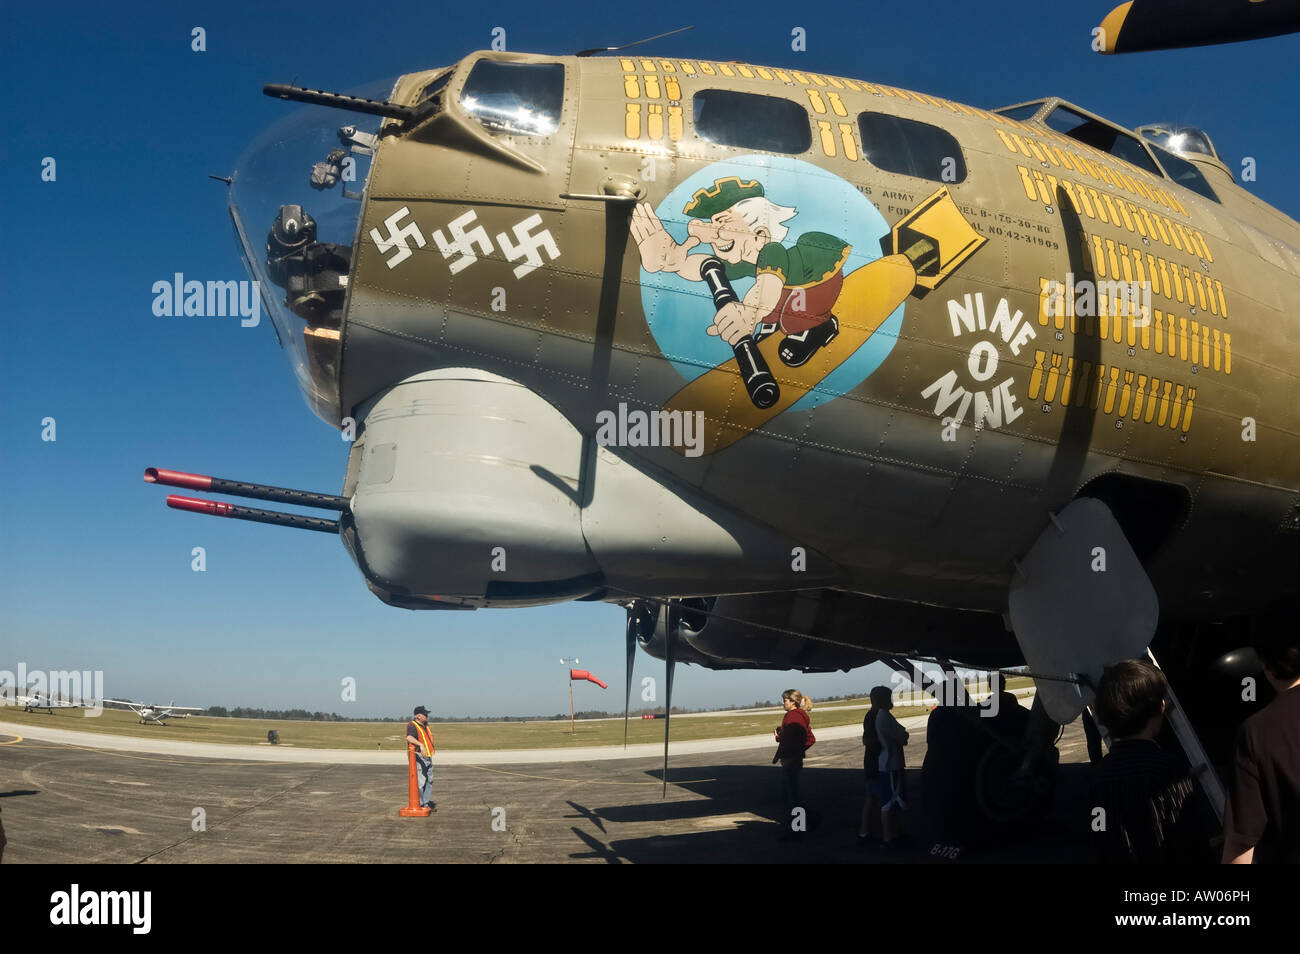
(795, 288)
(800, 289)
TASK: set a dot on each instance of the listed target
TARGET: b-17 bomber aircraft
(803, 370)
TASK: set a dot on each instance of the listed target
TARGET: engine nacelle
(818, 631)
(687, 618)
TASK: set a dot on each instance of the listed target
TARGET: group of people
(1145, 807)
(883, 738)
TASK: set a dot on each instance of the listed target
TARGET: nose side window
(751, 121)
(1184, 173)
(911, 148)
(522, 99)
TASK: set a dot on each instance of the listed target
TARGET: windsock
(583, 674)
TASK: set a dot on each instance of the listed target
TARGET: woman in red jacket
(794, 736)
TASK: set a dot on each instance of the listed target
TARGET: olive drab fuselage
(984, 392)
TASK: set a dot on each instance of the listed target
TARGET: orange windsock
(583, 674)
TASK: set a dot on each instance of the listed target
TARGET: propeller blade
(631, 658)
(1142, 25)
(670, 663)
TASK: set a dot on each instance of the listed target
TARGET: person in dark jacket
(1145, 809)
(1262, 820)
(955, 741)
(794, 736)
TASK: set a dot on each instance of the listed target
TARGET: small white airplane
(41, 700)
(157, 713)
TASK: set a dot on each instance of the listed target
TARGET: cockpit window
(1100, 136)
(1184, 173)
(1021, 113)
(911, 148)
(434, 86)
(520, 98)
(750, 121)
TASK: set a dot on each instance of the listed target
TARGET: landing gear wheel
(1004, 795)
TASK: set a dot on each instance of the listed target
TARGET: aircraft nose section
(295, 201)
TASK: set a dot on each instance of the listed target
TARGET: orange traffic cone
(412, 809)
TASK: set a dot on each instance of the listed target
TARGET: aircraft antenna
(628, 46)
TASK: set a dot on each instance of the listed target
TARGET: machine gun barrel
(357, 104)
(218, 509)
(237, 488)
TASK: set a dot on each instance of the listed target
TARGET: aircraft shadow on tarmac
(19, 791)
(736, 821)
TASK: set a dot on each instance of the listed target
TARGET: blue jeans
(424, 778)
(790, 770)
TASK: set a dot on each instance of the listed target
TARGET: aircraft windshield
(520, 98)
(295, 201)
(1023, 112)
(1101, 136)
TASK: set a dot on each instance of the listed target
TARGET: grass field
(453, 735)
(456, 735)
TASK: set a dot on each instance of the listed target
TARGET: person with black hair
(1145, 807)
(1261, 823)
(890, 783)
(869, 832)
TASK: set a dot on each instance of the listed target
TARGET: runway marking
(119, 781)
(14, 741)
(581, 781)
(189, 760)
(727, 822)
(113, 829)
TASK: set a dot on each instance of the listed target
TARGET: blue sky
(95, 572)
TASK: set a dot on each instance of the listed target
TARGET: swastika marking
(397, 237)
(463, 243)
(528, 245)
